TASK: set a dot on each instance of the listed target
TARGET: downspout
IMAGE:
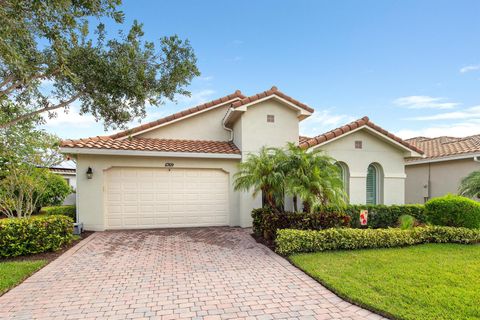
(476, 158)
(224, 126)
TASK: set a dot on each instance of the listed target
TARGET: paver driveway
(205, 273)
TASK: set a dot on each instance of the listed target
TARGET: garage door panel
(149, 198)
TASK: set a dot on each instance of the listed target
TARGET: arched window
(345, 176)
(374, 184)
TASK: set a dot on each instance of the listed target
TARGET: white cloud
(424, 102)
(322, 121)
(461, 129)
(69, 117)
(470, 113)
(469, 68)
(237, 43)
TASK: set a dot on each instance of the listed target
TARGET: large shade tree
(112, 78)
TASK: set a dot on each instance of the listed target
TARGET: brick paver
(204, 273)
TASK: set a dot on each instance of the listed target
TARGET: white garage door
(161, 198)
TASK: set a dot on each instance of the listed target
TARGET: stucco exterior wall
(374, 150)
(252, 132)
(90, 204)
(203, 126)
(444, 178)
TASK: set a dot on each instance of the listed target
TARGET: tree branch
(7, 79)
(20, 83)
(49, 107)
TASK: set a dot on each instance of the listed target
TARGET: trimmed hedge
(22, 236)
(383, 216)
(453, 211)
(266, 223)
(69, 211)
(291, 241)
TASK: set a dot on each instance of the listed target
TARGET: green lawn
(14, 272)
(431, 281)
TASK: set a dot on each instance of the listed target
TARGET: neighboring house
(69, 175)
(447, 160)
(178, 171)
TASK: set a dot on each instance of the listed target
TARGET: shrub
(266, 223)
(382, 216)
(69, 211)
(406, 222)
(34, 235)
(453, 211)
(57, 189)
(290, 241)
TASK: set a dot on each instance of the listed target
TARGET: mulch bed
(267, 243)
(49, 256)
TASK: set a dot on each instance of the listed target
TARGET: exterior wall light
(89, 173)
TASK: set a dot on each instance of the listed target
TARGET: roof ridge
(352, 126)
(180, 114)
(272, 91)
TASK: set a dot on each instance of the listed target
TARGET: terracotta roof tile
(351, 126)
(273, 91)
(236, 95)
(446, 146)
(152, 144)
(303, 139)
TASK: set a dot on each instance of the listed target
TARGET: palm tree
(470, 185)
(262, 173)
(313, 177)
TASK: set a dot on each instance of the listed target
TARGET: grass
(431, 281)
(13, 273)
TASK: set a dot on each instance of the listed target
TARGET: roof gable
(237, 95)
(240, 106)
(355, 126)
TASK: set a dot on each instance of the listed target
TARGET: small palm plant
(470, 185)
(262, 173)
(314, 178)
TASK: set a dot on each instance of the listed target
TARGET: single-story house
(447, 161)
(178, 171)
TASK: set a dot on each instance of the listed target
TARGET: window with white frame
(374, 184)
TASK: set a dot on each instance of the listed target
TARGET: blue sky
(412, 66)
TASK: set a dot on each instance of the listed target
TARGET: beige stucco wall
(252, 132)
(445, 178)
(203, 126)
(90, 192)
(374, 150)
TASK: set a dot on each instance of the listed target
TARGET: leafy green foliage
(290, 241)
(266, 222)
(69, 211)
(25, 144)
(57, 189)
(470, 185)
(313, 177)
(111, 78)
(453, 211)
(34, 235)
(428, 282)
(275, 172)
(381, 216)
(14, 272)
(262, 173)
(406, 222)
(25, 189)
